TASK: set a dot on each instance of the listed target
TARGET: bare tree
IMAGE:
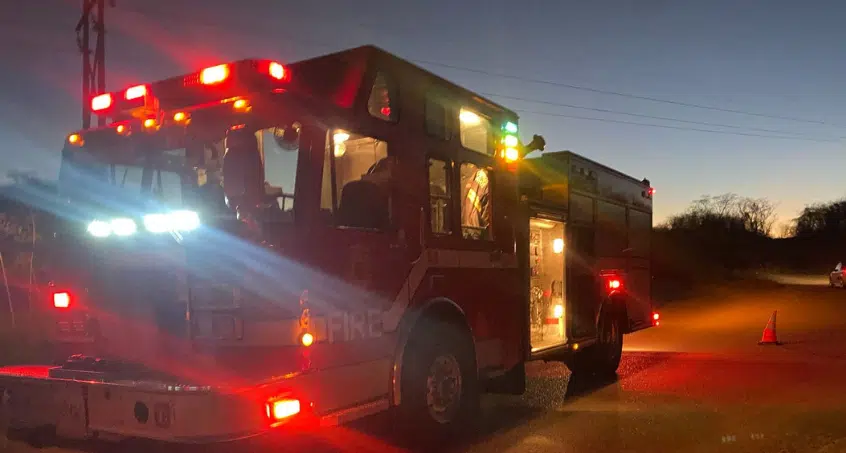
(757, 214)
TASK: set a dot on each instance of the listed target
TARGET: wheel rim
(443, 388)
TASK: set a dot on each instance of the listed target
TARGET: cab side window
(280, 156)
(440, 201)
(383, 100)
(475, 131)
(356, 176)
(439, 119)
(475, 202)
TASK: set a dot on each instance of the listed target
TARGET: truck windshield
(156, 179)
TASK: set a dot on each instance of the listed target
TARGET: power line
(324, 45)
(639, 115)
(667, 126)
(620, 93)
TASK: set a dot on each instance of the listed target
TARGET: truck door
(582, 279)
(366, 245)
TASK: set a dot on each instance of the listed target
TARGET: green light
(510, 127)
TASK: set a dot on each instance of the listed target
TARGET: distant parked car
(835, 278)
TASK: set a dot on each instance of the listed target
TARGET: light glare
(174, 221)
(123, 226)
(99, 229)
(469, 118)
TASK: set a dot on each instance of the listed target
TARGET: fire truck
(254, 247)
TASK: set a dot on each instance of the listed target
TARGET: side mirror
(288, 137)
(243, 170)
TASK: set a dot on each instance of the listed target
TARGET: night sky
(779, 61)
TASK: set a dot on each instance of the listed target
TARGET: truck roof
(571, 155)
(551, 177)
(368, 56)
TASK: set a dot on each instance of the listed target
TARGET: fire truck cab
(258, 245)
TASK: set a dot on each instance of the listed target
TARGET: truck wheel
(440, 388)
(603, 357)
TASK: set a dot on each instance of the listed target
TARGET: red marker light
(614, 284)
(61, 300)
(101, 102)
(279, 410)
(214, 74)
(138, 91)
(651, 191)
(656, 316)
(276, 70)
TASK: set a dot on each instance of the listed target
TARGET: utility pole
(93, 72)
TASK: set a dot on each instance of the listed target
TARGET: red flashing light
(101, 102)
(214, 74)
(61, 300)
(385, 111)
(138, 91)
(277, 71)
(651, 191)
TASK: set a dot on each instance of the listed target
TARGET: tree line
(728, 235)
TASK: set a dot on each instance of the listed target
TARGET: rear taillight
(656, 319)
(61, 300)
(281, 409)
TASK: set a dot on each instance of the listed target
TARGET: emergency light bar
(212, 84)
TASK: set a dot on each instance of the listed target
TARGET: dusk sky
(767, 58)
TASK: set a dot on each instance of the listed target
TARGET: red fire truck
(257, 245)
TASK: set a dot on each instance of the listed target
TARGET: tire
(603, 357)
(440, 386)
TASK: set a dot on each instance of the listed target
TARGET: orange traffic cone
(769, 336)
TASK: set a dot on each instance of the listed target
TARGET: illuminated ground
(699, 382)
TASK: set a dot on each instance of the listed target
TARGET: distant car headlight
(172, 221)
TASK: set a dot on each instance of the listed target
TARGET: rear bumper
(80, 409)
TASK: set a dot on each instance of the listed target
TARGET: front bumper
(85, 408)
(81, 409)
